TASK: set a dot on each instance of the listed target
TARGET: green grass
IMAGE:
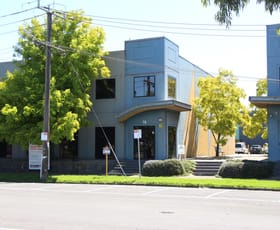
(157, 181)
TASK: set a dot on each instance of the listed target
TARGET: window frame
(169, 89)
(146, 91)
(101, 94)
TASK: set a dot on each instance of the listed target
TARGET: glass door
(171, 142)
(147, 143)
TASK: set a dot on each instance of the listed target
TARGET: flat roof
(172, 105)
(264, 101)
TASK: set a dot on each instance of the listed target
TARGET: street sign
(137, 133)
(44, 136)
(106, 150)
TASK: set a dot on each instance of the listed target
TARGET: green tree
(77, 51)
(227, 8)
(218, 107)
(257, 124)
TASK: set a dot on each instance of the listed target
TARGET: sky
(240, 48)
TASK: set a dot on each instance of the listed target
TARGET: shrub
(172, 167)
(257, 169)
(189, 166)
(231, 169)
(169, 167)
(152, 168)
(246, 169)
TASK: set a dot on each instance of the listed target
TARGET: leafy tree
(218, 107)
(227, 8)
(257, 124)
(77, 51)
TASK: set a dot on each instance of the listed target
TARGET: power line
(65, 49)
(174, 23)
(16, 31)
(186, 33)
(9, 32)
(22, 20)
(128, 25)
(18, 12)
(180, 28)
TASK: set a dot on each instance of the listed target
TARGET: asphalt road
(68, 206)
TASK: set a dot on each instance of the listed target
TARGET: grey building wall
(104, 111)
(6, 66)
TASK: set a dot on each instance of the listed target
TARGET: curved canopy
(169, 105)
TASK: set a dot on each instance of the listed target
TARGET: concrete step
(130, 167)
(207, 167)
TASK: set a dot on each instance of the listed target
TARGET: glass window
(144, 86)
(171, 142)
(5, 149)
(171, 87)
(105, 88)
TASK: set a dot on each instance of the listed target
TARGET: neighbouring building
(272, 100)
(151, 88)
(241, 137)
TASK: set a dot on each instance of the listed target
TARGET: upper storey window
(171, 87)
(105, 88)
(144, 86)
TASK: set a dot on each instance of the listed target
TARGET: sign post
(138, 135)
(106, 152)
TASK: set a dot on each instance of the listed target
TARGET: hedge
(169, 167)
(246, 169)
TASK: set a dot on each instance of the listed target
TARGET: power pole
(46, 127)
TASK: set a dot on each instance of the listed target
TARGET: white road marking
(216, 194)
(154, 191)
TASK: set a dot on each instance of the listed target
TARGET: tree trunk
(217, 149)
(218, 145)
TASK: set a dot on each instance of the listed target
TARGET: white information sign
(44, 136)
(181, 149)
(106, 150)
(137, 133)
(35, 156)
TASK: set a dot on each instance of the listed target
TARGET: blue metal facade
(158, 58)
(273, 75)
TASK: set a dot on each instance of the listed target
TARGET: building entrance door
(147, 143)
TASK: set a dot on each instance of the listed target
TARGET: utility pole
(46, 127)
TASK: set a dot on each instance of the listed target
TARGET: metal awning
(264, 101)
(168, 104)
